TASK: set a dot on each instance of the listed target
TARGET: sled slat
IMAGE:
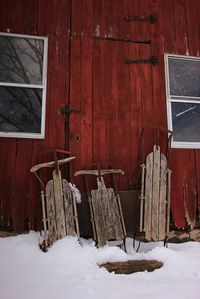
(155, 197)
(155, 192)
(106, 214)
(148, 193)
(51, 213)
(60, 218)
(68, 208)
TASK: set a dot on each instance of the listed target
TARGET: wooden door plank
(167, 26)
(76, 103)
(3, 15)
(86, 101)
(112, 104)
(123, 114)
(99, 105)
(148, 116)
(180, 27)
(192, 27)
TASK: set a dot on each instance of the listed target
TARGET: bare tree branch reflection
(21, 62)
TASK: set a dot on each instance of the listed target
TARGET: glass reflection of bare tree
(21, 69)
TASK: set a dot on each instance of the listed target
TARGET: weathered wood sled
(105, 209)
(155, 197)
(58, 205)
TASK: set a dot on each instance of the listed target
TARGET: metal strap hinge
(153, 60)
(152, 19)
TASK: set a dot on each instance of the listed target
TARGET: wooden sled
(105, 209)
(155, 197)
(58, 205)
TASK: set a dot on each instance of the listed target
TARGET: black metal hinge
(153, 60)
(152, 19)
(67, 110)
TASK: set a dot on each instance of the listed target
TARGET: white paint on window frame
(40, 135)
(172, 98)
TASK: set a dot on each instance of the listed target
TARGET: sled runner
(58, 205)
(155, 197)
(105, 208)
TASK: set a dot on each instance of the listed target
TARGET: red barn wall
(120, 104)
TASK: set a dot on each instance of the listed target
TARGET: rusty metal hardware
(67, 110)
(125, 40)
(153, 60)
(152, 19)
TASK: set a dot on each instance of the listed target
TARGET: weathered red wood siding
(120, 103)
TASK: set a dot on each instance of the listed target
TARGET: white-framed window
(182, 75)
(23, 72)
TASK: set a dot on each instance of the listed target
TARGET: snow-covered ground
(70, 271)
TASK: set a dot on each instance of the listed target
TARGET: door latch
(67, 110)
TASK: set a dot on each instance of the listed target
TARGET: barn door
(115, 100)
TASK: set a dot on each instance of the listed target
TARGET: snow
(70, 270)
(76, 192)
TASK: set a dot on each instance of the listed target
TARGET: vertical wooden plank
(158, 79)
(111, 103)
(148, 108)
(15, 20)
(22, 185)
(99, 106)
(134, 27)
(183, 179)
(60, 67)
(3, 15)
(87, 11)
(76, 17)
(30, 11)
(167, 26)
(86, 101)
(192, 27)
(123, 114)
(75, 102)
(181, 27)
(135, 90)
(100, 29)
(7, 181)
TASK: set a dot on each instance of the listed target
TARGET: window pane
(21, 60)
(186, 122)
(184, 77)
(20, 109)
